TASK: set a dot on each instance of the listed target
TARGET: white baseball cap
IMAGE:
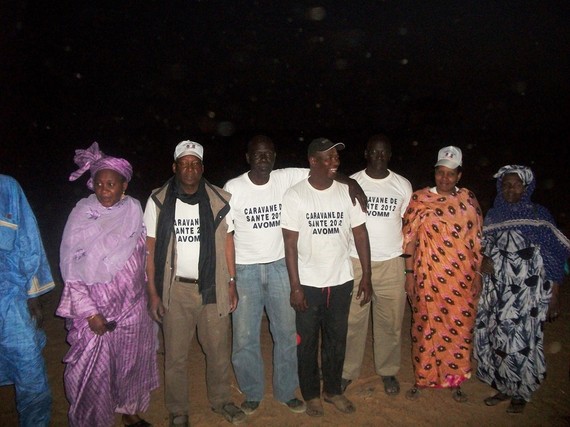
(450, 157)
(186, 148)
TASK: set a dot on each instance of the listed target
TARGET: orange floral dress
(447, 231)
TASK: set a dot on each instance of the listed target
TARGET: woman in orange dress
(442, 236)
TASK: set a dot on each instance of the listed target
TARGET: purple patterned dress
(114, 372)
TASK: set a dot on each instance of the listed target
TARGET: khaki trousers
(185, 315)
(387, 305)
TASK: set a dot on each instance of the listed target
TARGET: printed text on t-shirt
(381, 206)
(264, 216)
(187, 229)
(325, 222)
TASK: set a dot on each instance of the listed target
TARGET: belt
(186, 280)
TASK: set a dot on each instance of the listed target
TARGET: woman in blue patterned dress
(523, 266)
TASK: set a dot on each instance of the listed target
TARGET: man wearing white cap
(191, 280)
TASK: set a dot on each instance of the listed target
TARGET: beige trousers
(185, 315)
(387, 306)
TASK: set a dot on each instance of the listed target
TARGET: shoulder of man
(158, 194)
(234, 181)
(217, 191)
(402, 180)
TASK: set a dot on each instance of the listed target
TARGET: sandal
(314, 408)
(517, 406)
(391, 385)
(413, 393)
(178, 420)
(496, 399)
(231, 413)
(458, 395)
(340, 402)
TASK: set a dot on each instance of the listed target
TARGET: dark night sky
(489, 76)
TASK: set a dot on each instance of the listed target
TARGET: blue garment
(264, 285)
(24, 274)
(531, 219)
(509, 337)
(528, 254)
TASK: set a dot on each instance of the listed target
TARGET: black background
(491, 77)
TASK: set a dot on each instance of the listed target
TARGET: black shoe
(391, 385)
(344, 383)
(249, 406)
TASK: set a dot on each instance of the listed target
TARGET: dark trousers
(328, 314)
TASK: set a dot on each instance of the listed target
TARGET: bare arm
(410, 250)
(297, 297)
(354, 190)
(362, 244)
(154, 302)
(231, 263)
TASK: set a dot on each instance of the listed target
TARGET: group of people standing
(314, 249)
(481, 288)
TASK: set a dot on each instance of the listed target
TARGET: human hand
(233, 295)
(476, 285)
(97, 323)
(297, 299)
(35, 308)
(356, 194)
(487, 266)
(155, 308)
(554, 304)
(410, 287)
(364, 291)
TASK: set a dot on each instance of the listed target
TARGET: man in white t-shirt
(388, 197)
(191, 281)
(262, 280)
(318, 221)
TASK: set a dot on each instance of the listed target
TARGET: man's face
(325, 163)
(188, 170)
(377, 155)
(261, 156)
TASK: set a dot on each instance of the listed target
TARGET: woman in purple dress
(111, 365)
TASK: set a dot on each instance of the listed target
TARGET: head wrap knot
(94, 160)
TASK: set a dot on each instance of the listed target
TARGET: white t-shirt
(434, 190)
(187, 234)
(256, 214)
(388, 200)
(324, 220)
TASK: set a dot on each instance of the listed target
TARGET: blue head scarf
(532, 219)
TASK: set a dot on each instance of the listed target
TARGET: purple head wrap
(95, 160)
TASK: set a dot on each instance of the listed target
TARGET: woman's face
(109, 187)
(512, 187)
(446, 179)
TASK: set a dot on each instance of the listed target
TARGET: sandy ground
(550, 406)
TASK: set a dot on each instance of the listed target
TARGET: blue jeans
(259, 286)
